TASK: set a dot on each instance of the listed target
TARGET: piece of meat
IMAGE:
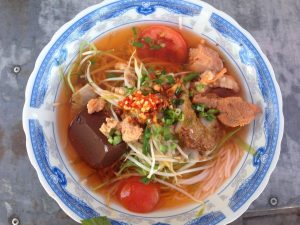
(221, 92)
(234, 111)
(108, 126)
(192, 133)
(95, 105)
(130, 132)
(204, 58)
(81, 97)
(226, 81)
(91, 145)
(129, 74)
(119, 90)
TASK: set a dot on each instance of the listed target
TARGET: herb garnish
(102, 220)
(208, 114)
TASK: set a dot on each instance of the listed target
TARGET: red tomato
(137, 196)
(164, 43)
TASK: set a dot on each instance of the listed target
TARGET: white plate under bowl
(39, 115)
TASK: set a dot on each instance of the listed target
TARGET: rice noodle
(195, 179)
(222, 167)
(178, 189)
(165, 174)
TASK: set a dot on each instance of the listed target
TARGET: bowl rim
(90, 9)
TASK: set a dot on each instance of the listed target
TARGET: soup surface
(192, 85)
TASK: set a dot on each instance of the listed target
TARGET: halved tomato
(138, 197)
(163, 43)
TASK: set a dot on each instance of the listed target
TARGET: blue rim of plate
(250, 54)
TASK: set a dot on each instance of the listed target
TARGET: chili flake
(140, 104)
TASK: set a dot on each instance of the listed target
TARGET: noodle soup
(153, 117)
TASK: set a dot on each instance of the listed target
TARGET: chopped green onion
(213, 111)
(146, 140)
(173, 146)
(200, 87)
(178, 91)
(190, 76)
(156, 130)
(177, 101)
(199, 107)
(170, 79)
(114, 137)
(167, 133)
(117, 140)
(129, 90)
(171, 116)
(158, 81)
(210, 117)
(163, 148)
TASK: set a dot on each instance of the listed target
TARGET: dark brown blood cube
(90, 143)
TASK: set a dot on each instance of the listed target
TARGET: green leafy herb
(163, 71)
(190, 76)
(137, 44)
(102, 220)
(177, 101)
(145, 80)
(208, 114)
(171, 116)
(146, 140)
(158, 81)
(170, 79)
(166, 132)
(129, 90)
(163, 148)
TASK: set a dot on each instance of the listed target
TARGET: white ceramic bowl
(39, 116)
